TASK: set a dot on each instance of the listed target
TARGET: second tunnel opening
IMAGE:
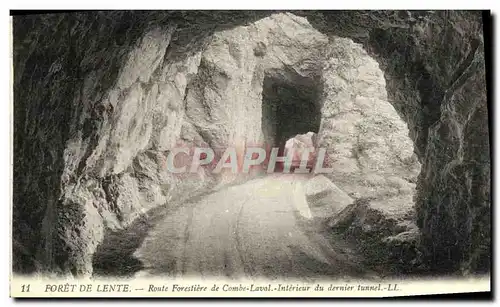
(290, 106)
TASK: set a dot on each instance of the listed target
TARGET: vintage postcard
(249, 153)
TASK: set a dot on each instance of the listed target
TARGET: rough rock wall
(80, 156)
(66, 72)
(224, 101)
(366, 140)
(433, 63)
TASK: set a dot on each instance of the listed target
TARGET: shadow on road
(114, 256)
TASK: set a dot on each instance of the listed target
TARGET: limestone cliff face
(101, 99)
(433, 63)
(368, 143)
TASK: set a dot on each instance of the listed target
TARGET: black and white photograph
(261, 153)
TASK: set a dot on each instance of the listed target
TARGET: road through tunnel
(196, 77)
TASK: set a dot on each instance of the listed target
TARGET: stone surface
(307, 140)
(101, 98)
(325, 199)
(439, 88)
(367, 143)
(385, 235)
(302, 147)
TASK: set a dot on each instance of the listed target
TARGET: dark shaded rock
(390, 242)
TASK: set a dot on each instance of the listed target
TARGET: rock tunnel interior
(276, 90)
(290, 106)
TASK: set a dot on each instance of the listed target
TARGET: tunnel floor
(260, 229)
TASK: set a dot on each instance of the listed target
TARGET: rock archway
(90, 128)
(289, 108)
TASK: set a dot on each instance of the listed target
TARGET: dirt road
(257, 229)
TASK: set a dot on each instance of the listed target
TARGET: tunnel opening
(291, 105)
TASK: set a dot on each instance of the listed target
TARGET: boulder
(389, 239)
(325, 199)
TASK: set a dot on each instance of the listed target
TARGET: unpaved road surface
(260, 229)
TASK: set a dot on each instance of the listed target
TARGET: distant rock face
(307, 140)
(224, 102)
(302, 147)
(100, 99)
